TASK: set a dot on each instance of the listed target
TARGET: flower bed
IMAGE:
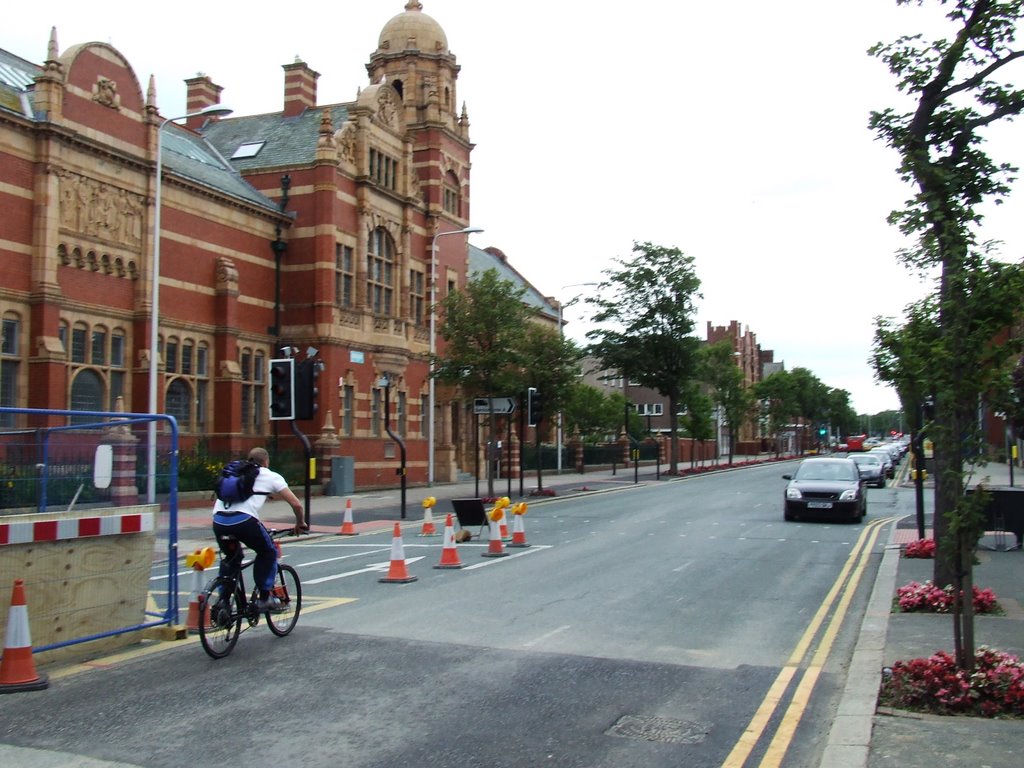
(922, 548)
(994, 689)
(927, 597)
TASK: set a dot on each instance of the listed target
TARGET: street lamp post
(561, 334)
(214, 110)
(433, 343)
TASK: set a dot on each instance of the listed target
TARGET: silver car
(872, 470)
(886, 457)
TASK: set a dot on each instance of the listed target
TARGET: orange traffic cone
(198, 561)
(347, 528)
(17, 668)
(518, 529)
(449, 554)
(495, 547)
(428, 523)
(397, 572)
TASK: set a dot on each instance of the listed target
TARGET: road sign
(501, 405)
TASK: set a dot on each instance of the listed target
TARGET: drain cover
(667, 730)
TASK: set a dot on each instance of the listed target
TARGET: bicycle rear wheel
(289, 591)
(220, 617)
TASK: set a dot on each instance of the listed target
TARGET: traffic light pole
(309, 466)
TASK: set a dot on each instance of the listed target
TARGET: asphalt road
(679, 623)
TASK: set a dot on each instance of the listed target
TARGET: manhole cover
(667, 730)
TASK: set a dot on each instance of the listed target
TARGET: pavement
(862, 735)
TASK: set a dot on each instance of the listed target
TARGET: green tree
(645, 313)
(594, 414)
(810, 396)
(729, 392)
(778, 402)
(484, 327)
(839, 412)
(958, 89)
(696, 419)
(551, 363)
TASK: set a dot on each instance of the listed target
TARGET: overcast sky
(736, 132)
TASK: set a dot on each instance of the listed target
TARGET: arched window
(380, 271)
(86, 394)
(179, 403)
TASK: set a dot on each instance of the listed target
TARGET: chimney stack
(299, 88)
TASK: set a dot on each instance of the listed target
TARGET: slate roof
(480, 261)
(288, 140)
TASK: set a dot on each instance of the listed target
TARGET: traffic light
(282, 389)
(306, 389)
(534, 407)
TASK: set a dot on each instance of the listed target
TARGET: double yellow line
(839, 597)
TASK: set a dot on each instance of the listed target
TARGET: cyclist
(242, 520)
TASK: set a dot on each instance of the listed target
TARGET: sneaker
(272, 604)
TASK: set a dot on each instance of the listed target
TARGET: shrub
(922, 548)
(995, 687)
(927, 597)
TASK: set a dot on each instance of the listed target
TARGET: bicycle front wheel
(220, 617)
(289, 591)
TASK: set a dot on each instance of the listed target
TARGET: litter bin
(343, 476)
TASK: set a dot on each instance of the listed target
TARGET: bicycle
(223, 604)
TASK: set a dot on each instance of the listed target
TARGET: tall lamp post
(433, 343)
(561, 334)
(214, 110)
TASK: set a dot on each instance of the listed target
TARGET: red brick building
(311, 226)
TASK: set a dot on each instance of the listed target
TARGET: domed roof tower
(412, 56)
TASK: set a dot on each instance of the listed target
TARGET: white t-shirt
(267, 481)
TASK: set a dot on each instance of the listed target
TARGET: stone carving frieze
(387, 108)
(94, 209)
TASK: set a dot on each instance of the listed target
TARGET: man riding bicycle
(241, 520)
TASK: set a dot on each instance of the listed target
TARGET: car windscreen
(827, 471)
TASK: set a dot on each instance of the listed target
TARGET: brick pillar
(662, 449)
(123, 490)
(624, 447)
(513, 452)
(576, 446)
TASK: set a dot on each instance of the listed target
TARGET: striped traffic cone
(347, 528)
(449, 554)
(397, 572)
(495, 546)
(428, 518)
(17, 667)
(518, 529)
(198, 561)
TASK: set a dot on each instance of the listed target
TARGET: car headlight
(848, 495)
(793, 493)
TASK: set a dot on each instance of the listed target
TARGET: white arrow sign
(500, 405)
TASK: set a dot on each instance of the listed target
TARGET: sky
(735, 132)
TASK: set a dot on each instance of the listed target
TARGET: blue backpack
(236, 481)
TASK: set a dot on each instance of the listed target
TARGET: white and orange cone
(17, 668)
(449, 553)
(198, 561)
(518, 529)
(495, 546)
(347, 527)
(397, 572)
(428, 518)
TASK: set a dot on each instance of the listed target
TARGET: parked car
(827, 487)
(887, 460)
(871, 468)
